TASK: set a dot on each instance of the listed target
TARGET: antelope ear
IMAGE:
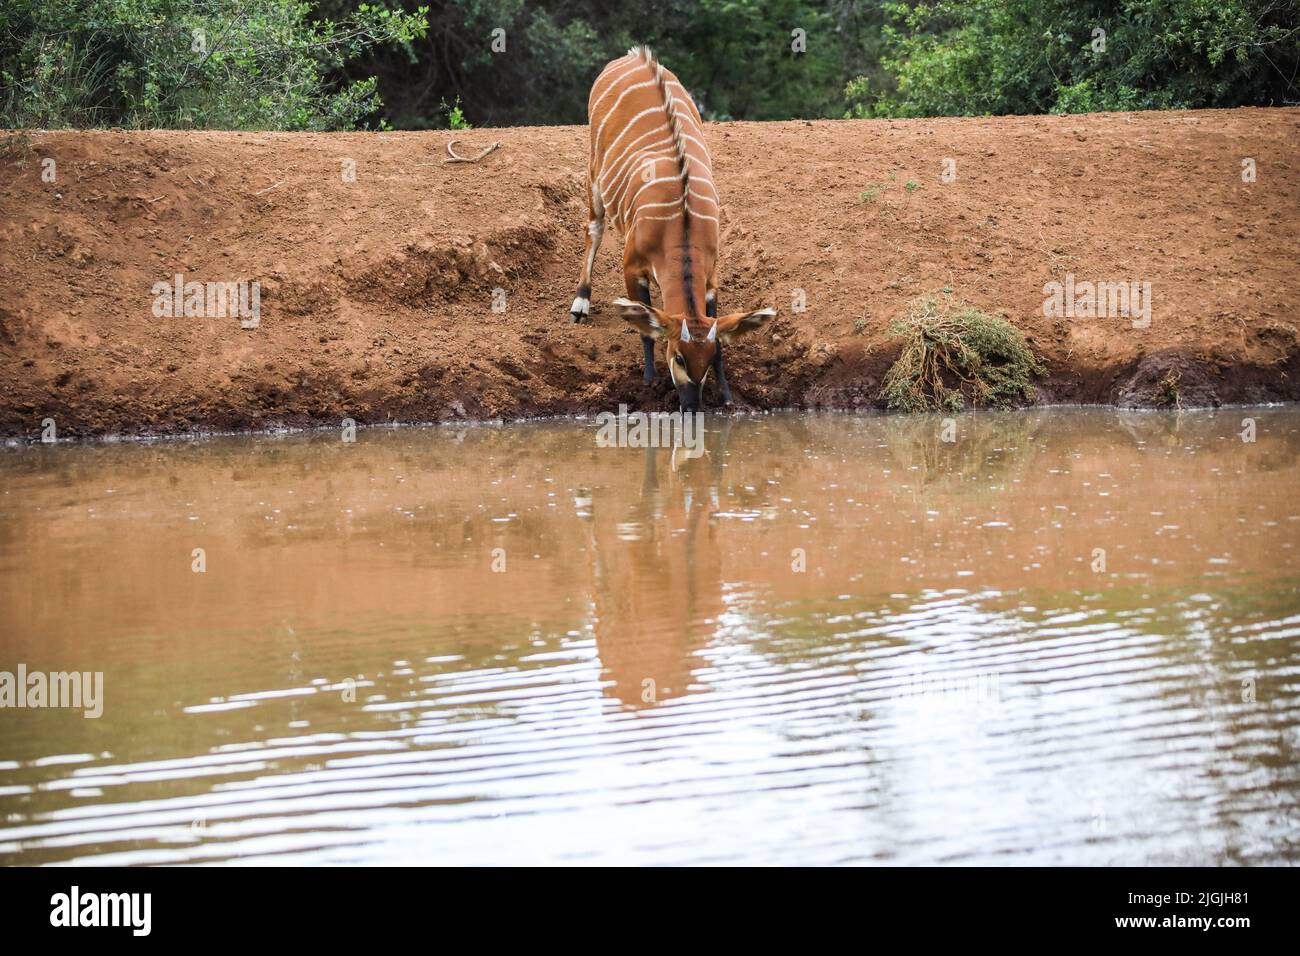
(740, 323)
(643, 317)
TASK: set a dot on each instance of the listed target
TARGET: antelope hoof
(580, 311)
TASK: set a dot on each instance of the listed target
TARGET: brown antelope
(651, 173)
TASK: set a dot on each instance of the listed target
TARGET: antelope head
(692, 344)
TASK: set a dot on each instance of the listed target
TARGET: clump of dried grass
(953, 354)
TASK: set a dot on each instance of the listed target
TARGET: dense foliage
(736, 56)
(971, 57)
(232, 64)
(329, 64)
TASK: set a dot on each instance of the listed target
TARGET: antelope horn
(686, 333)
(713, 333)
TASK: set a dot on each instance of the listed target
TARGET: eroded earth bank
(377, 265)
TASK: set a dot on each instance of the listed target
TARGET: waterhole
(1058, 636)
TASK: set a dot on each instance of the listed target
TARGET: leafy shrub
(735, 56)
(976, 57)
(952, 354)
(456, 117)
(230, 64)
(326, 64)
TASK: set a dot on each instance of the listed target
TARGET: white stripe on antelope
(651, 173)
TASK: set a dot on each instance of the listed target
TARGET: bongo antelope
(651, 174)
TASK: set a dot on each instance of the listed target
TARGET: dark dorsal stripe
(684, 170)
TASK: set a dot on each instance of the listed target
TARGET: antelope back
(650, 167)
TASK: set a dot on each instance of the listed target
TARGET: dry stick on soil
(456, 158)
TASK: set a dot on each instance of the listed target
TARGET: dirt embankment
(377, 291)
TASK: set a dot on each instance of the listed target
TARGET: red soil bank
(376, 294)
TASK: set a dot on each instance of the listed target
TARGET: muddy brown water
(1067, 636)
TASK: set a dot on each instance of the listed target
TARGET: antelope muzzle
(688, 394)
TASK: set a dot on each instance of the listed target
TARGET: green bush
(735, 56)
(327, 64)
(975, 57)
(229, 64)
(952, 354)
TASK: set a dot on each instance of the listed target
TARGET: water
(952, 677)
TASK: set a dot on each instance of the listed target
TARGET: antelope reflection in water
(657, 572)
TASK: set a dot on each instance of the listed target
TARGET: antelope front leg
(580, 311)
(638, 287)
(723, 389)
(711, 310)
